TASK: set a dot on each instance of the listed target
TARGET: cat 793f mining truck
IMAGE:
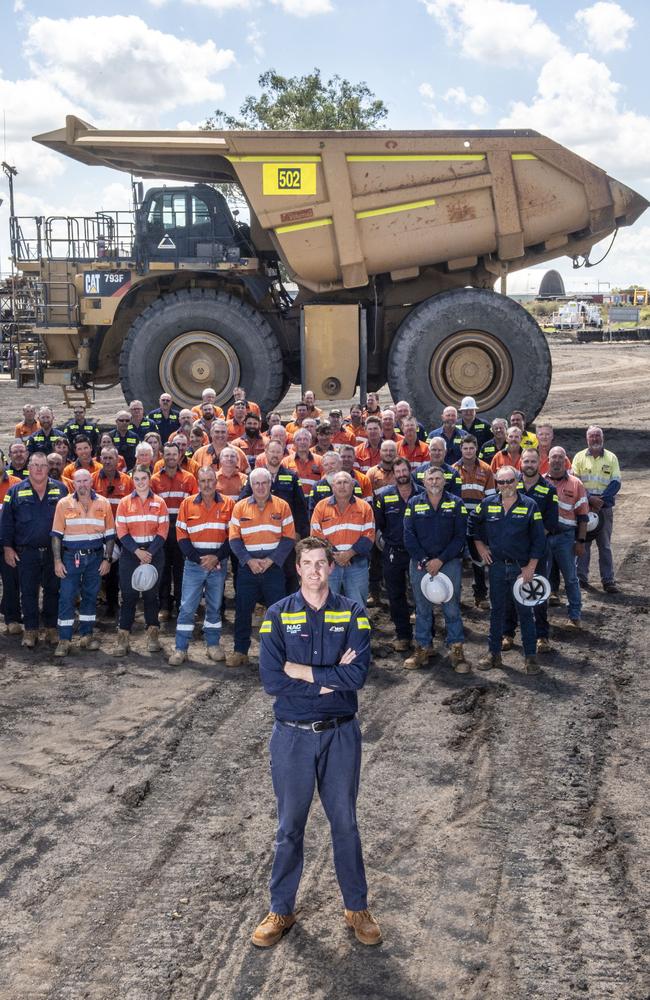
(393, 240)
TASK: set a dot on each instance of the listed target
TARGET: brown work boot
(88, 642)
(365, 927)
(52, 636)
(402, 645)
(30, 638)
(531, 666)
(544, 646)
(420, 658)
(492, 661)
(14, 628)
(457, 658)
(153, 639)
(236, 659)
(272, 928)
(574, 624)
(215, 653)
(554, 599)
(507, 643)
(62, 647)
(177, 657)
(123, 646)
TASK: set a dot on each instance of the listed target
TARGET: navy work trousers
(267, 587)
(300, 762)
(36, 570)
(502, 576)
(10, 606)
(396, 564)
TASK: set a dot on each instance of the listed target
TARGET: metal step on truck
(392, 242)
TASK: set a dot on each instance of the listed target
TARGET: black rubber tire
(244, 329)
(431, 322)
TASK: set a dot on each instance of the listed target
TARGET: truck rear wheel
(196, 339)
(470, 342)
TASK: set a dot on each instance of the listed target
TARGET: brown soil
(504, 817)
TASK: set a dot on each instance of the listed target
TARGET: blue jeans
(253, 587)
(502, 576)
(540, 611)
(562, 548)
(300, 762)
(352, 580)
(82, 580)
(197, 582)
(424, 631)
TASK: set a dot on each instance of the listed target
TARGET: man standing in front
(601, 476)
(314, 657)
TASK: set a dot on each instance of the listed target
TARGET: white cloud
(254, 38)
(130, 72)
(458, 95)
(495, 31)
(606, 25)
(577, 103)
(304, 8)
(220, 5)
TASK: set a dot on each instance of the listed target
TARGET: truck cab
(176, 223)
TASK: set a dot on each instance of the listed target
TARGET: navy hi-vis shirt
(515, 536)
(294, 631)
(166, 425)
(389, 515)
(40, 441)
(431, 533)
(479, 428)
(545, 496)
(26, 519)
(453, 480)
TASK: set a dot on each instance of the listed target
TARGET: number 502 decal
(289, 178)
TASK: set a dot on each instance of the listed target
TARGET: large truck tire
(196, 339)
(470, 342)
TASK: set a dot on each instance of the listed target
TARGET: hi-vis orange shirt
(83, 529)
(204, 528)
(113, 489)
(262, 534)
(309, 470)
(142, 522)
(6, 483)
(173, 489)
(416, 454)
(367, 456)
(207, 456)
(353, 528)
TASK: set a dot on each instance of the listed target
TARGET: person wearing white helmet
(471, 423)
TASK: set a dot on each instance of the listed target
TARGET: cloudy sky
(572, 71)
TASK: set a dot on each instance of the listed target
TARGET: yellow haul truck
(370, 257)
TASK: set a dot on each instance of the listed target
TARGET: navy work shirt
(545, 496)
(389, 515)
(294, 631)
(453, 480)
(40, 441)
(454, 441)
(166, 425)
(26, 519)
(515, 536)
(431, 533)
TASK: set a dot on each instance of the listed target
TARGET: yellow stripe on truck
(416, 158)
(407, 207)
(523, 156)
(273, 159)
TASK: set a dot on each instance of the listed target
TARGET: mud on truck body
(391, 244)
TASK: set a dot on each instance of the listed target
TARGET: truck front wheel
(196, 339)
(470, 342)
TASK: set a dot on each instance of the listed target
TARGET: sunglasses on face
(505, 482)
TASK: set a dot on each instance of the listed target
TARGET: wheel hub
(471, 363)
(195, 360)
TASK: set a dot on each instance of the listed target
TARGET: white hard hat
(594, 522)
(145, 577)
(468, 403)
(379, 540)
(438, 589)
(533, 593)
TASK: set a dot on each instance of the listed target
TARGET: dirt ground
(504, 818)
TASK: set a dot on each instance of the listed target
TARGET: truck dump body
(341, 207)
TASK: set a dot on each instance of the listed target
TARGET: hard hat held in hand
(438, 589)
(145, 577)
(533, 593)
(594, 522)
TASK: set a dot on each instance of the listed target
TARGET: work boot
(457, 657)
(482, 603)
(30, 638)
(419, 658)
(574, 624)
(123, 646)
(62, 647)
(52, 636)
(236, 659)
(544, 646)
(507, 643)
(531, 666)
(153, 639)
(164, 615)
(178, 656)
(611, 588)
(554, 599)
(88, 642)
(215, 653)
(272, 928)
(492, 661)
(402, 645)
(14, 628)
(365, 927)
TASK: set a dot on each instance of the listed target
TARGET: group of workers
(192, 490)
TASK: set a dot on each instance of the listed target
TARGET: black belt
(319, 726)
(82, 552)
(34, 548)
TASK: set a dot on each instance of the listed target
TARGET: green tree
(305, 102)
